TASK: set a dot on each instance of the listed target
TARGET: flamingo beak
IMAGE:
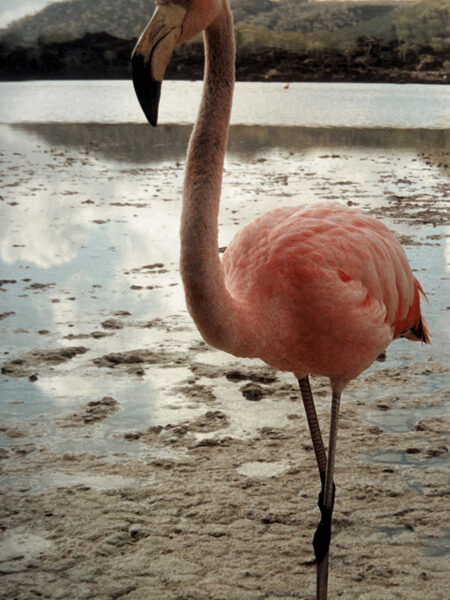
(152, 54)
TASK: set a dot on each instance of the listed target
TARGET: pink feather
(324, 288)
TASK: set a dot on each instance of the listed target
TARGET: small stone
(112, 324)
(123, 591)
(138, 532)
(437, 451)
(413, 450)
(252, 392)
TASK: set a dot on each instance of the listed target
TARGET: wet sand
(136, 461)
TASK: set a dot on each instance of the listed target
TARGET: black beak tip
(148, 90)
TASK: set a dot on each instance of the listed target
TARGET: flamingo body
(314, 289)
(325, 289)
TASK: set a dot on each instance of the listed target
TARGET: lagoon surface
(255, 103)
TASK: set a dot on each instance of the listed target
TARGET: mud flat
(136, 461)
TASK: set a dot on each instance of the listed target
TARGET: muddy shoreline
(223, 517)
(137, 462)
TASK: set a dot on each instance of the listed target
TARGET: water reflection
(401, 420)
(304, 104)
(405, 459)
(140, 144)
(88, 209)
(82, 214)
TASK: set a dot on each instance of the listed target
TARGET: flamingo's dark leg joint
(322, 536)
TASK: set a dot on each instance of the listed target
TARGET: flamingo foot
(322, 536)
(321, 543)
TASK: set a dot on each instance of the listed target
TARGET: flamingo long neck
(209, 303)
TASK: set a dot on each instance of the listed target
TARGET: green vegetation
(65, 21)
(411, 36)
(301, 25)
(289, 24)
(425, 23)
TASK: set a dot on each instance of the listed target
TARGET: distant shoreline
(386, 76)
(403, 78)
(370, 61)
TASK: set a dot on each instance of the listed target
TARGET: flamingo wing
(327, 281)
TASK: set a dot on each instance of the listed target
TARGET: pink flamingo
(313, 289)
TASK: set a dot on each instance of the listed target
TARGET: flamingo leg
(322, 535)
(326, 503)
(314, 427)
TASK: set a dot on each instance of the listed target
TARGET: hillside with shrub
(284, 39)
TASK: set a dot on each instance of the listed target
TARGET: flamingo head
(174, 22)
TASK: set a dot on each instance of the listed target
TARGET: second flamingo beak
(152, 54)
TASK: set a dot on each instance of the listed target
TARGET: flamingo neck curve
(211, 306)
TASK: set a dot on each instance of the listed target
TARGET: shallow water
(89, 230)
(90, 211)
(301, 104)
(407, 459)
(401, 420)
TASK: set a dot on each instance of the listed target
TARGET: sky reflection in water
(86, 207)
